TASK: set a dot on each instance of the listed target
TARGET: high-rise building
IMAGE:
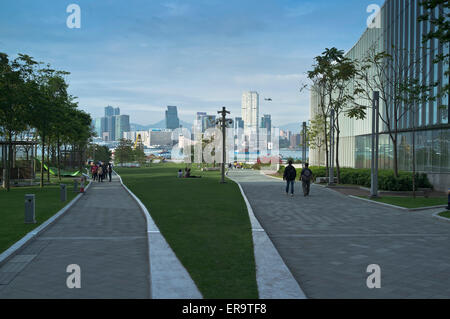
(111, 127)
(98, 126)
(122, 125)
(238, 123)
(250, 110)
(116, 111)
(109, 111)
(198, 122)
(172, 120)
(400, 31)
(208, 121)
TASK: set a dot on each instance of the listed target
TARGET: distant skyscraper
(122, 125)
(208, 121)
(109, 111)
(198, 122)
(238, 123)
(111, 127)
(250, 110)
(172, 121)
(116, 111)
(266, 125)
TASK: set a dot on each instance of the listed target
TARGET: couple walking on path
(290, 174)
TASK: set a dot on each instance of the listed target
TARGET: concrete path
(104, 233)
(328, 240)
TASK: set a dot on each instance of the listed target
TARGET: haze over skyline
(198, 55)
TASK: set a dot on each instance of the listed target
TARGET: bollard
(29, 209)
(63, 192)
(75, 186)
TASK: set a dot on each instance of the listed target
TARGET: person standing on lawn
(306, 176)
(289, 176)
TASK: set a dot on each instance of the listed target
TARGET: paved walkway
(328, 239)
(104, 233)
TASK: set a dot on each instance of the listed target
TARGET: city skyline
(198, 55)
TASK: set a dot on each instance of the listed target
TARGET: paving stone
(104, 233)
(328, 239)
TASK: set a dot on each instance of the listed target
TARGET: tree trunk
(58, 158)
(327, 162)
(414, 160)
(338, 169)
(42, 161)
(394, 141)
(8, 163)
(48, 161)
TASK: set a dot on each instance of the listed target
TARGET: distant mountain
(160, 124)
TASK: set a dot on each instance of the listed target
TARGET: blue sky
(142, 55)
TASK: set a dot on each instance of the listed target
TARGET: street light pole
(304, 144)
(224, 113)
(331, 181)
(375, 142)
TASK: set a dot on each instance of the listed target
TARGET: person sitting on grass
(188, 174)
(180, 173)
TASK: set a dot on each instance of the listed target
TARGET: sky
(200, 55)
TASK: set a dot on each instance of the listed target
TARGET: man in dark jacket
(306, 176)
(289, 176)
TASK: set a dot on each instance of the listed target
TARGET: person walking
(110, 171)
(100, 174)
(289, 176)
(94, 171)
(306, 176)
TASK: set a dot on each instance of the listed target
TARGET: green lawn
(409, 202)
(445, 214)
(206, 224)
(12, 206)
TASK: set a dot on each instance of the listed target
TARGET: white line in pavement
(169, 279)
(363, 235)
(273, 277)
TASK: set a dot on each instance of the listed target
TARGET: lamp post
(223, 122)
(304, 144)
(331, 181)
(375, 142)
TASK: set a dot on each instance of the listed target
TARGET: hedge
(386, 179)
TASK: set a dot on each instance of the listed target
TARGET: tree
(99, 153)
(330, 76)
(139, 156)
(315, 134)
(14, 102)
(124, 151)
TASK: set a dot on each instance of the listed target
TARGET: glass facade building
(172, 121)
(400, 31)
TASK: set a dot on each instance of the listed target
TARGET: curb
(12, 251)
(399, 207)
(273, 277)
(379, 203)
(168, 278)
(436, 215)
